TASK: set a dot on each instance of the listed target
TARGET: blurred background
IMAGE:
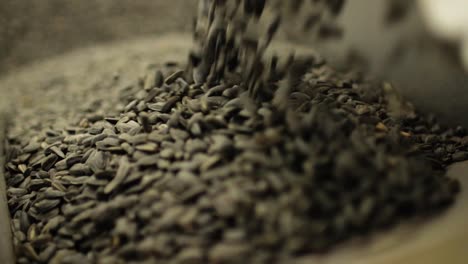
(31, 30)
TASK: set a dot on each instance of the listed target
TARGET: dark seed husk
(173, 77)
(122, 172)
(46, 205)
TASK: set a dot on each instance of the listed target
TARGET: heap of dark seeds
(238, 158)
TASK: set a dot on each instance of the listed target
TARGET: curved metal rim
(6, 245)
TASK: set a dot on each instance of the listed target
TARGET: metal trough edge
(6, 241)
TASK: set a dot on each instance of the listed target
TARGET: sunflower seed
(122, 172)
(173, 77)
(46, 205)
(49, 161)
(80, 169)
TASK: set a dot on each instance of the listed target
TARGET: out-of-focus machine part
(421, 47)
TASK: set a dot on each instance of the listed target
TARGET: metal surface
(6, 247)
(427, 71)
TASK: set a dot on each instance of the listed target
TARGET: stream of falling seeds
(238, 158)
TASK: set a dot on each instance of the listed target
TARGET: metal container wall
(6, 247)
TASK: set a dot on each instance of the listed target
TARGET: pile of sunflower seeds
(233, 158)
